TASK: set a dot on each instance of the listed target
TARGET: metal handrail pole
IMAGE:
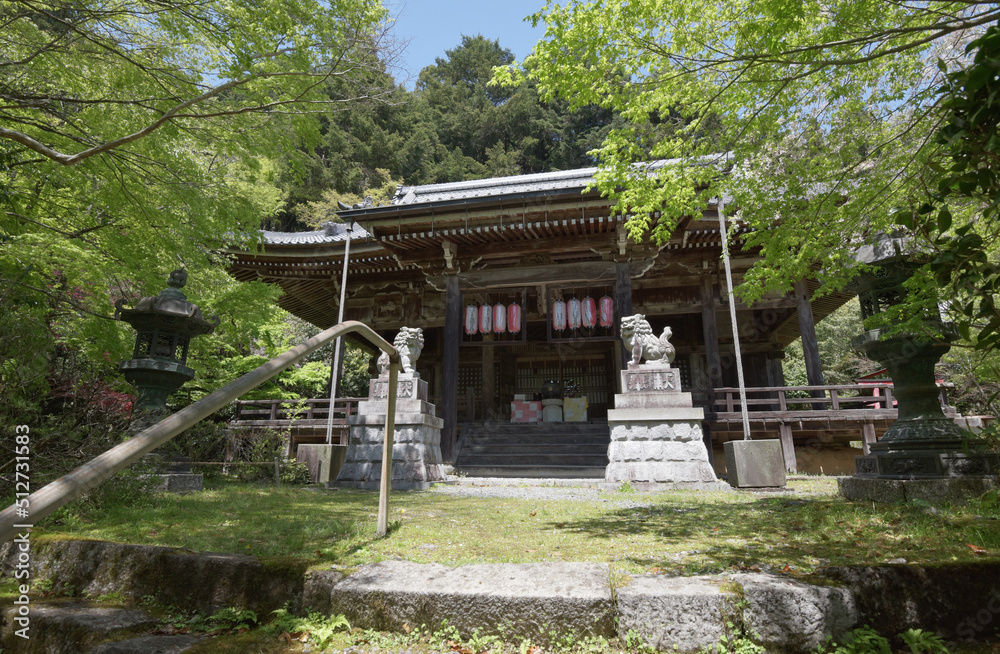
(385, 483)
(72, 485)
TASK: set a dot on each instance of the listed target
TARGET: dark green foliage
(454, 126)
(959, 221)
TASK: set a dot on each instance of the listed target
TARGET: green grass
(677, 533)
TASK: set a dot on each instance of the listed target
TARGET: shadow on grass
(772, 533)
(682, 533)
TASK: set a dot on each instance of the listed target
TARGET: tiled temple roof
(496, 186)
(331, 233)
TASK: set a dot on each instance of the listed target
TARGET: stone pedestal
(173, 472)
(324, 461)
(924, 449)
(552, 410)
(656, 435)
(179, 482)
(416, 451)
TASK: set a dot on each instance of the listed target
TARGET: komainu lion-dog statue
(409, 342)
(639, 339)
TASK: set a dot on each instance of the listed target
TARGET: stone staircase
(501, 449)
(79, 627)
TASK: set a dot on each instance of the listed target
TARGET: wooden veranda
(804, 418)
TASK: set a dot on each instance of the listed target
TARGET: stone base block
(936, 491)
(689, 614)
(658, 454)
(755, 464)
(416, 455)
(324, 461)
(902, 461)
(179, 482)
(536, 601)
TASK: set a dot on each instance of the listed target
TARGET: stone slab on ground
(71, 627)
(935, 491)
(179, 482)
(791, 616)
(150, 645)
(531, 600)
(666, 611)
(690, 613)
(195, 581)
(959, 601)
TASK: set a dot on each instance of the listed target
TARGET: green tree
(956, 221)
(824, 114)
(841, 364)
(468, 128)
(358, 152)
(139, 137)
(136, 138)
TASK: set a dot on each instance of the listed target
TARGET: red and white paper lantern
(514, 318)
(486, 318)
(559, 315)
(589, 309)
(607, 318)
(573, 314)
(499, 318)
(471, 319)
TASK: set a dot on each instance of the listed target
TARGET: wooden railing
(844, 401)
(283, 413)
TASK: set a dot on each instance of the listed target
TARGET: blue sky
(433, 26)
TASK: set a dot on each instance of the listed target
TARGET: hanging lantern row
(607, 318)
(575, 313)
(497, 318)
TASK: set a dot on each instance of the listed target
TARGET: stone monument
(416, 449)
(656, 434)
(925, 454)
(165, 324)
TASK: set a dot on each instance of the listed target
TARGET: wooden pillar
(788, 447)
(449, 368)
(710, 332)
(489, 385)
(867, 437)
(623, 298)
(807, 328)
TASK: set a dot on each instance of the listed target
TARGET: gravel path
(536, 489)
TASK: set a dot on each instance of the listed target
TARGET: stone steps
(532, 600)
(519, 440)
(87, 628)
(572, 450)
(600, 448)
(533, 471)
(555, 459)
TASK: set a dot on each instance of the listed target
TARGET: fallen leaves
(297, 637)
(976, 549)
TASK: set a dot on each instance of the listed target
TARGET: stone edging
(544, 599)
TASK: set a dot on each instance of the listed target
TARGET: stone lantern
(923, 443)
(165, 324)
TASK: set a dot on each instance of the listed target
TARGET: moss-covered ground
(796, 531)
(668, 532)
